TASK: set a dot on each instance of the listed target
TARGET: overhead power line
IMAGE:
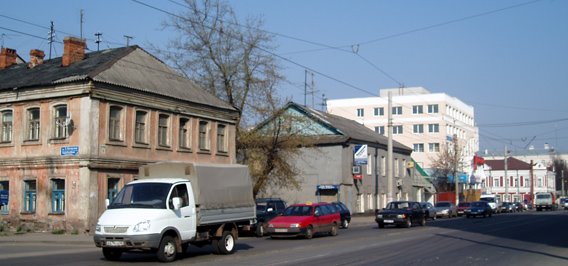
(520, 124)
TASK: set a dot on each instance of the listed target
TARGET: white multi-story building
(425, 121)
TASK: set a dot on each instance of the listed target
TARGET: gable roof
(344, 130)
(512, 164)
(130, 67)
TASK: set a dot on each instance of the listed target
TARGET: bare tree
(448, 162)
(224, 56)
(230, 59)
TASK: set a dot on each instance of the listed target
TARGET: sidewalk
(85, 239)
(48, 237)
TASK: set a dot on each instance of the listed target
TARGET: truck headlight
(142, 226)
(98, 228)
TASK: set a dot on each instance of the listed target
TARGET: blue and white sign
(360, 154)
(4, 197)
(70, 151)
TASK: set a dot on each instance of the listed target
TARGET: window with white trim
(397, 129)
(418, 147)
(185, 133)
(433, 128)
(418, 128)
(432, 108)
(397, 110)
(379, 111)
(59, 122)
(204, 138)
(140, 127)
(221, 138)
(7, 124)
(114, 123)
(434, 147)
(417, 109)
(163, 130)
(360, 112)
(33, 126)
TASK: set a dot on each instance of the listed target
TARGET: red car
(461, 208)
(305, 220)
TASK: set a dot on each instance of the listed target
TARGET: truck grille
(116, 229)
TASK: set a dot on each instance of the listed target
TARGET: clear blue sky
(507, 58)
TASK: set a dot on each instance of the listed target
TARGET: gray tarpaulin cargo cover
(222, 191)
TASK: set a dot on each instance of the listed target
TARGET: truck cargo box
(223, 192)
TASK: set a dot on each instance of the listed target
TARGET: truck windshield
(142, 195)
(487, 199)
(541, 196)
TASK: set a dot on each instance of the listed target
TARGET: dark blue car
(478, 208)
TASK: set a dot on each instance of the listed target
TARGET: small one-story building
(330, 171)
(76, 128)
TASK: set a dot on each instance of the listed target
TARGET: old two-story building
(76, 128)
(329, 170)
(516, 181)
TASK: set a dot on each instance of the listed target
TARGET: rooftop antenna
(323, 103)
(98, 40)
(128, 39)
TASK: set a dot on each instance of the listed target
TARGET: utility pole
(506, 177)
(532, 184)
(305, 87)
(51, 38)
(389, 150)
(456, 181)
(128, 39)
(98, 40)
(81, 23)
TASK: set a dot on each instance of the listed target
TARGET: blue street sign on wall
(70, 151)
(360, 154)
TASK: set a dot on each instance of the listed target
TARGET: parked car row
(306, 219)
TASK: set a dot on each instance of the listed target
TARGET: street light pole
(506, 177)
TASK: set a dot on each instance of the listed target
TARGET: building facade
(327, 167)
(516, 181)
(427, 122)
(75, 129)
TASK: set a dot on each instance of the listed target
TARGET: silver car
(429, 209)
(446, 209)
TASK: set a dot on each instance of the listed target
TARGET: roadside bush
(58, 231)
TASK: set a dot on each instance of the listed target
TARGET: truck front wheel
(112, 254)
(226, 244)
(167, 250)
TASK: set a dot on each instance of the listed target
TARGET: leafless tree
(225, 56)
(448, 162)
(232, 60)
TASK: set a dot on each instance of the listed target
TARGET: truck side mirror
(176, 201)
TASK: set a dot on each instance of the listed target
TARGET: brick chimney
(7, 57)
(73, 50)
(36, 58)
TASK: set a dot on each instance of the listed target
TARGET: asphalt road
(530, 238)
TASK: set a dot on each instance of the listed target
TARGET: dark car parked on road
(478, 208)
(266, 210)
(344, 213)
(429, 210)
(401, 213)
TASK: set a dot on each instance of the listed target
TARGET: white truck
(545, 201)
(493, 200)
(173, 205)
